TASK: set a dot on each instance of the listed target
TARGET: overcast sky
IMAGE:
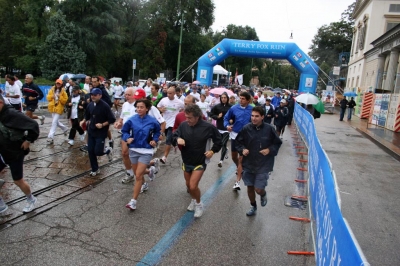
(274, 20)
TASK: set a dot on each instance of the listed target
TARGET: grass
(43, 81)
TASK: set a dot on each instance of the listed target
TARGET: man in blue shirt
(276, 100)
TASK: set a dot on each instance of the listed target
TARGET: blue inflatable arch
(275, 50)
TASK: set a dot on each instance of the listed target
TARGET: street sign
(134, 64)
(161, 75)
(336, 71)
(192, 74)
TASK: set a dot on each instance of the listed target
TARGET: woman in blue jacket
(141, 133)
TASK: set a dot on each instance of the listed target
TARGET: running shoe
(95, 173)
(71, 142)
(156, 165)
(152, 173)
(119, 132)
(128, 178)
(109, 153)
(163, 159)
(144, 187)
(220, 164)
(82, 137)
(252, 211)
(84, 148)
(236, 186)
(66, 132)
(198, 210)
(226, 154)
(30, 205)
(2, 183)
(42, 118)
(50, 141)
(111, 143)
(264, 200)
(191, 205)
(3, 207)
(131, 205)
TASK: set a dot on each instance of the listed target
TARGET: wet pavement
(82, 220)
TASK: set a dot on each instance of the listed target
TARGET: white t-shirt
(182, 98)
(13, 90)
(119, 91)
(172, 109)
(209, 99)
(147, 90)
(154, 112)
(195, 95)
(86, 87)
(261, 100)
(204, 108)
(74, 107)
(128, 110)
(19, 83)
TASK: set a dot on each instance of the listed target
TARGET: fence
(333, 240)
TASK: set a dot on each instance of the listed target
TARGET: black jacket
(343, 103)
(99, 113)
(11, 118)
(351, 104)
(105, 97)
(216, 110)
(256, 139)
(269, 114)
(281, 114)
(195, 141)
(32, 90)
(81, 112)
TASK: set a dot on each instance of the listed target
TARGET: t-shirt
(204, 107)
(172, 109)
(209, 99)
(19, 83)
(119, 91)
(261, 100)
(13, 90)
(182, 98)
(147, 89)
(74, 107)
(195, 95)
(128, 110)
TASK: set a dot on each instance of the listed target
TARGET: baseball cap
(283, 101)
(255, 97)
(139, 94)
(96, 91)
(59, 81)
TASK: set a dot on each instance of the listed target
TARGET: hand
(229, 128)
(245, 152)
(163, 109)
(129, 141)
(160, 137)
(31, 98)
(153, 143)
(70, 104)
(209, 154)
(231, 121)
(220, 115)
(181, 141)
(81, 123)
(276, 115)
(80, 107)
(25, 145)
(99, 125)
(265, 152)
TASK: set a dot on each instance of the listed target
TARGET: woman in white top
(13, 92)
(204, 106)
(147, 88)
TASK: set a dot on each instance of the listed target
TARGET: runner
(258, 143)
(32, 94)
(280, 119)
(234, 120)
(76, 112)
(118, 93)
(141, 133)
(193, 136)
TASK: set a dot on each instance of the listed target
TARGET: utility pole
(180, 46)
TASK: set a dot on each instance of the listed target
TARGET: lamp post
(179, 51)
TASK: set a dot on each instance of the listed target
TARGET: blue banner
(334, 241)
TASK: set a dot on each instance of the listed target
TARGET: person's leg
(59, 124)
(341, 114)
(91, 151)
(30, 114)
(249, 180)
(234, 153)
(53, 126)
(260, 183)
(99, 147)
(194, 180)
(139, 170)
(251, 194)
(168, 142)
(75, 125)
(225, 138)
(127, 163)
(239, 169)
(349, 111)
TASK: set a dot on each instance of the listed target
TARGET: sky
(274, 20)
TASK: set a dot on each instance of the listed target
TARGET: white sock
(130, 171)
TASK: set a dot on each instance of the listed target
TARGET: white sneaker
(42, 118)
(163, 159)
(71, 142)
(95, 173)
(191, 205)
(109, 153)
(131, 205)
(198, 212)
(156, 165)
(30, 205)
(128, 178)
(152, 173)
(220, 164)
(50, 141)
(236, 186)
(82, 137)
(144, 187)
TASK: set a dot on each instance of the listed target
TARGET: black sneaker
(84, 148)
(252, 211)
(111, 144)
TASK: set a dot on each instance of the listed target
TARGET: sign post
(192, 74)
(133, 70)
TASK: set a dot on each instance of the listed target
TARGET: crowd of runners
(192, 118)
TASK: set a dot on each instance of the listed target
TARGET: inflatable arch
(275, 50)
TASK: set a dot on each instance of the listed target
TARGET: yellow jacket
(56, 106)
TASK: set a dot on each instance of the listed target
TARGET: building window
(391, 25)
(394, 8)
(358, 79)
(353, 42)
(352, 83)
(363, 34)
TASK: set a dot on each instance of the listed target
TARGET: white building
(373, 18)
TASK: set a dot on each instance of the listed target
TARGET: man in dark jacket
(280, 120)
(351, 106)
(194, 137)
(258, 143)
(101, 117)
(343, 105)
(32, 94)
(17, 132)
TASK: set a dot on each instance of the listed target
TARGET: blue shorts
(255, 180)
(136, 157)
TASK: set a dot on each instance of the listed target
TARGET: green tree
(59, 53)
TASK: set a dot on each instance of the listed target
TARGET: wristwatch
(163, 134)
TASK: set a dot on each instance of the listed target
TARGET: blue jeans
(349, 112)
(342, 111)
(95, 148)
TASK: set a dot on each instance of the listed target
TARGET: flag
(236, 75)
(240, 79)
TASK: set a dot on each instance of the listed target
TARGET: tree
(59, 53)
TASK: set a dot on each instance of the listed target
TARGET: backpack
(12, 134)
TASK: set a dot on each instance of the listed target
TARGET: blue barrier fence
(334, 242)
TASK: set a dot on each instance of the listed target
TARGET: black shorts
(31, 107)
(17, 168)
(17, 106)
(168, 134)
(190, 168)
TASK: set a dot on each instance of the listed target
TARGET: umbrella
(307, 98)
(79, 76)
(320, 107)
(221, 90)
(196, 82)
(66, 76)
(269, 93)
(350, 94)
